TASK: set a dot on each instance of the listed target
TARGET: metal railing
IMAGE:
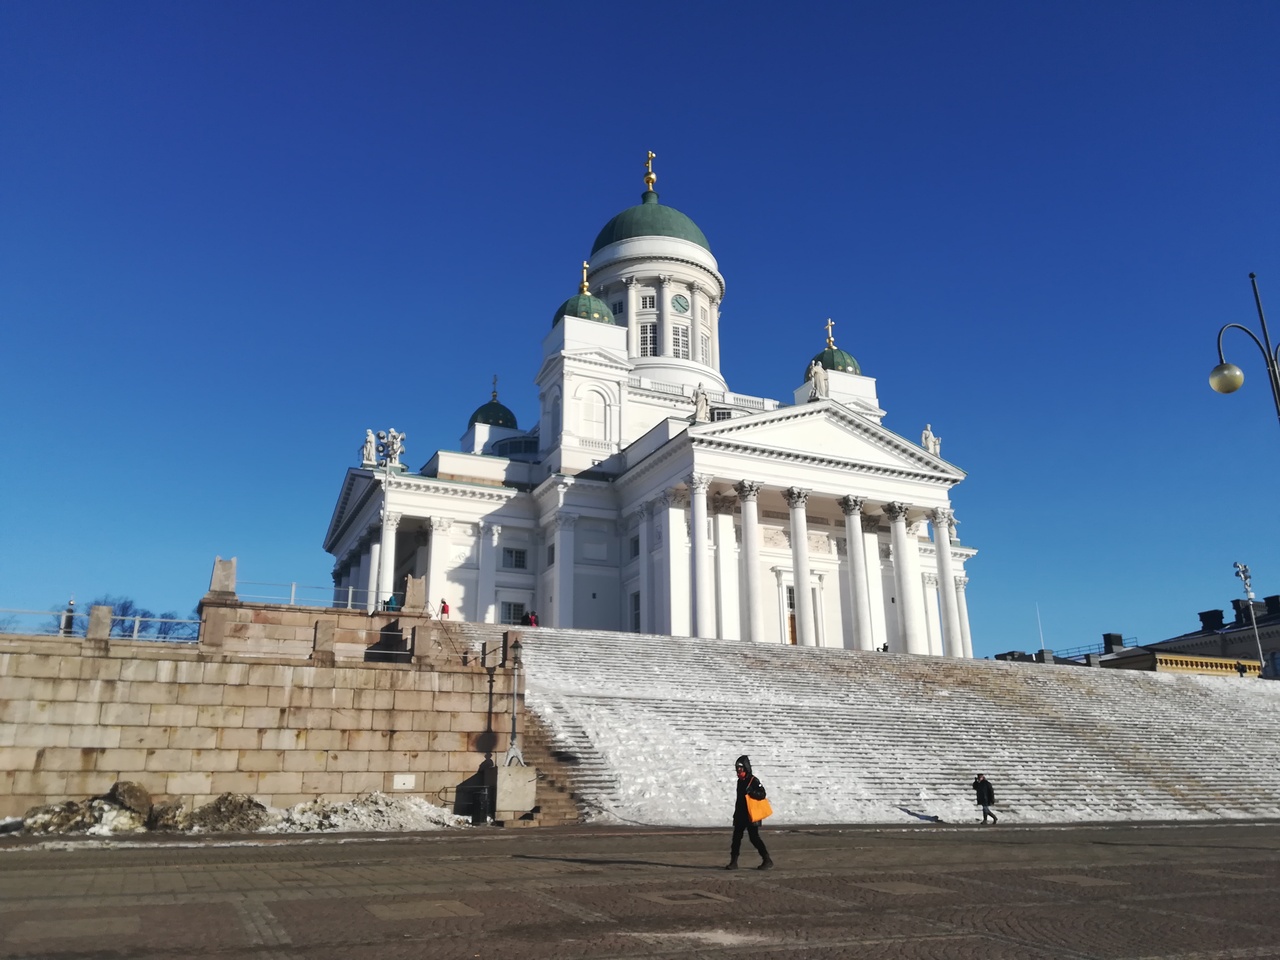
(66, 623)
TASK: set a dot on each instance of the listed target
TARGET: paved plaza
(1189, 891)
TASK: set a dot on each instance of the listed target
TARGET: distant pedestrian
(444, 609)
(533, 618)
(1241, 668)
(526, 620)
(986, 797)
(742, 821)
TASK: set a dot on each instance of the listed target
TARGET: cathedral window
(648, 303)
(702, 314)
(551, 554)
(617, 308)
(721, 415)
(635, 612)
(705, 342)
(512, 613)
(595, 417)
(648, 339)
(515, 559)
(680, 342)
(635, 547)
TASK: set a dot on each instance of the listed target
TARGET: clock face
(680, 302)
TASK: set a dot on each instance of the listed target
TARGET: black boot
(733, 864)
(766, 864)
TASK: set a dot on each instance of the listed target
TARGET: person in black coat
(986, 797)
(742, 821)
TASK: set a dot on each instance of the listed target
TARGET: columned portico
(796, 499)
(952, 634)
(914, 639)
(703, 596)
(748, 497)
(858, 589)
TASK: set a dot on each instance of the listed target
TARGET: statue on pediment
(821, 385)
(930, 441)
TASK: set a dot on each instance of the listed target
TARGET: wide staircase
(652, 726)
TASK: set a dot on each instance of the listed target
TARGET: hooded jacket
(740, 813)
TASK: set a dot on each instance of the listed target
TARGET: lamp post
(1242, 571)
(1227, 377)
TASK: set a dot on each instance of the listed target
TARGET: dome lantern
(833, 358)
(493, 413)
(584, 306)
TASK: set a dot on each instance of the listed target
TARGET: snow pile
(374, 812)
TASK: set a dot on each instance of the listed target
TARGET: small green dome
(494, 414)
(833, 358)
(587, 307)
(650, 219)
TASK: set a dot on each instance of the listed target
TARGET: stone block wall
(276, 702)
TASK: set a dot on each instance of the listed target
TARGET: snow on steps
(846, 736)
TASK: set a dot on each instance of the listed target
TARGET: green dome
(833, 358)
(494, 414)
(650, 219)
(587, 307)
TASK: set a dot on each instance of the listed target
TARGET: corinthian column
(371, 577)
(562, 576)
(953, 637)
(645, 560)
(796, 499)
(387, 564)
(908, 587)
(633, 325)
(666, 340)
(963, 604)
(748, 496)
(703, 597)
(859, 590)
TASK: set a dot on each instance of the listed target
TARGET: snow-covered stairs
(655, 723)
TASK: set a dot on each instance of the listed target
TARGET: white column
(715, 333)
(438, 561)
(563, 570)
(487, 561)
(930, 587)
(728, 607)
(665, 340)
(796, 499)
(371, 581)
(676, 602)
(704, 621)
(748, 497)
(633, 325)
(952, 633)
(859, 589)
(387, 564)
(963, 605)
(910, 616)
(645, 560)
(695, 325)
(819, 606)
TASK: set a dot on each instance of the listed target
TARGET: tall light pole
(1242, 571)
(1227, 377)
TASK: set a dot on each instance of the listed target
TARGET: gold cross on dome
(648, 164)
(495, 386)
(830, 324)
(584, 288)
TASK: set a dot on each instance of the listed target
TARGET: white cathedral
(651, 498)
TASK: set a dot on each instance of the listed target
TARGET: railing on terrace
(1079, 653)
(295, 594)
(63, 623)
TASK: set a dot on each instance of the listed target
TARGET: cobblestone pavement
(1187, 891)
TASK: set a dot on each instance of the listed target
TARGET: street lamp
(1242, 571)
(1227, 377)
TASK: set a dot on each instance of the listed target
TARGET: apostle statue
(701, 405)
(931, 443)
(390, 445)
(369, 452)
(818, 379)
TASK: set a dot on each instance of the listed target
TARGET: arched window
(595, 415)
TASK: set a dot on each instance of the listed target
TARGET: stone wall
(284, 703)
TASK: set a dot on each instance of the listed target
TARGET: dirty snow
(375, 812)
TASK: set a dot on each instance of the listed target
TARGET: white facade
(621, 510)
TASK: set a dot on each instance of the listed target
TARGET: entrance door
(791, 616)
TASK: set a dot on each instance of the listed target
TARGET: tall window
(648, 303)
(617, 308)
(512, 613)
(680, 342)
(648, 339)
(705, 343)
(702, 314)
(635, 612)
(595, 417)
(514, 558)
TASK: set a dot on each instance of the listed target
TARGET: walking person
(444, 609)
(742, 822)
(986, 797)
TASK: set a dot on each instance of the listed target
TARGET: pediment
(355, 490)
(823, 432)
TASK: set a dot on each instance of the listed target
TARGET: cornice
(621, 263)
(816, 460)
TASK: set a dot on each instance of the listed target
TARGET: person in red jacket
(444, 609)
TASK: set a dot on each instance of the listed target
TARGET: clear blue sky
(233, 235)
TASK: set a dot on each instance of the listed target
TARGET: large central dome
(649, 218)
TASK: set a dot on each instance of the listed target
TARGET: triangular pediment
(355, 490)
(823, 432)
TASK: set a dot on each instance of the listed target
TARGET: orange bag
(757, 810)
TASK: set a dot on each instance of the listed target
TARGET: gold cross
(495, 386)
(584, 288)
(830, 342)
(648, 164)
